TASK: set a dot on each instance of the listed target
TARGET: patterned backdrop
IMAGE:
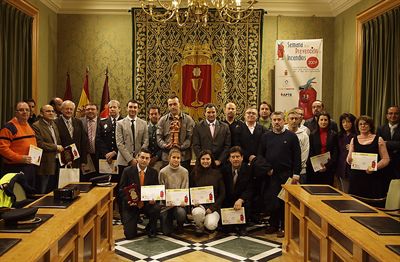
(234, 52)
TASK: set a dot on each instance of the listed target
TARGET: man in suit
(154, 117)
(248, 134)
(72, 132)
(131, 136)
(48, 139)
(166, 130)
(391, 134)
(213, 135)
(317, 107)
(238, 185)
(140, 175)
(90, 124)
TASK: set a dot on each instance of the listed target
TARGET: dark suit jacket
(247, 141)
(105, 138)
(331, 146)
(79, 138)
(131, 176)
(244, 184)
(45, 142)
(393, 147)
(219, 144)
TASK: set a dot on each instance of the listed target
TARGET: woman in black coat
(323, 140)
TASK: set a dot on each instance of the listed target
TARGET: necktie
(133, 134)
(212, 129)
(391, 132)
(70, 128)
(141, 179)
(91, 136)
(114, 122)
(235, 175)
(53, 134)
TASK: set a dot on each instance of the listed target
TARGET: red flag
(105, 98)
(85, 98)
(68, 89)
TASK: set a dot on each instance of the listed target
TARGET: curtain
(381, 65)
(16, 59)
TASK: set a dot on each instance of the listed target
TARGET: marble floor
(217, 246)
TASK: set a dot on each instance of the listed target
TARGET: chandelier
(185, 11)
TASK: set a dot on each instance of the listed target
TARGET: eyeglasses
(23, 110)
(49, 111)
(363, 124)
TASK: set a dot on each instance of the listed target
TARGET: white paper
(202, 195)
(68, 176)
(89, 167)
(282, 193)
(36, 154)
(319, 160)
(230, 216)
(177, 197)
(154, 192)
(364, 161)
(106, 168)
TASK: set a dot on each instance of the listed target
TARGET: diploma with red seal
(153, 192)
(202, 195)
(177, 197)
(230, 216)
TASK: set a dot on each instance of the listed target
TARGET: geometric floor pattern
(228, 246)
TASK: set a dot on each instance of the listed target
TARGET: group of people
(246, 161)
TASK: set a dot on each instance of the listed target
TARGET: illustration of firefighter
(281, 51)
(307, 96)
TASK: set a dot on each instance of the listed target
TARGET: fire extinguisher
(307, 96)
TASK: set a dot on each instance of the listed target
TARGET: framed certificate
(36, 154)
(89, 167)
(154, 192)
(318, 161)
(106, 168)
(177, 197)
(282, 193)
(230, 216)
(364, 161)
(202, 195)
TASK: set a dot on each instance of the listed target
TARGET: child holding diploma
(205, 174)
(174, 176)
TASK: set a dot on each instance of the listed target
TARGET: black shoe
(151, 234)
(271, 230)
(179, 230)
(241, 231)
(280, 233)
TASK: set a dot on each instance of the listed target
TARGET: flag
(105, 98)
(68, 89)
(85, 98)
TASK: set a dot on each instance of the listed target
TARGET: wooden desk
(316, 232)
(81, 232)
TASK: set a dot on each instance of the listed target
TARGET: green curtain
(381, 65)
(16, 59)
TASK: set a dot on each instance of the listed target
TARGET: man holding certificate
(205, 174)
(174, 177)
(132, 179)
(368, 182)
(238, 185)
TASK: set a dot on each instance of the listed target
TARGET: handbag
(68, 176)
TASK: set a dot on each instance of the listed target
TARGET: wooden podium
(315, 231)
(81, 232)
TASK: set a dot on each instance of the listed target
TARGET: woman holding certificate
(323, 152)
(204, 175)
(367, 155)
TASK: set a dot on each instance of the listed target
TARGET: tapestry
(216, 63)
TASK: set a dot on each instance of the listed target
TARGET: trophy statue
(174, 129)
